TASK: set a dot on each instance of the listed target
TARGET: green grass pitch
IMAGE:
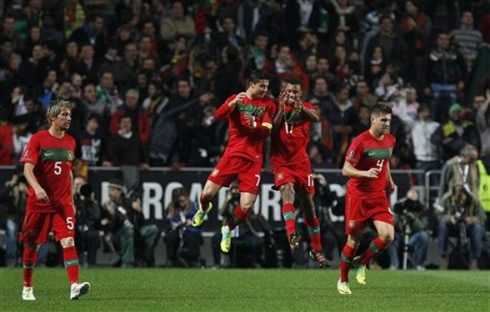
(249, 290)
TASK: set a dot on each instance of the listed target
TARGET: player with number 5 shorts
(48, 162)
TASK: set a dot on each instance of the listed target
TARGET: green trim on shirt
(378, 153)
(57, 154)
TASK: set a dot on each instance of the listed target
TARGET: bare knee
(387, 238)
(287, 193)
(67, 242)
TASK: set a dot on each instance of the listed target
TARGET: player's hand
(391, 187)
(239, 98)
(282, 100)
(250, 120)
(372, 173)
(41, 194)
(298, 105)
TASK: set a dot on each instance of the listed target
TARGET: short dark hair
(292, 81)
(258, 75)
(381, 109)
(124, 116)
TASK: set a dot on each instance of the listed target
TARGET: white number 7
(258, 179)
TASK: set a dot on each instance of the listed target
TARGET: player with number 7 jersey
(48, 161)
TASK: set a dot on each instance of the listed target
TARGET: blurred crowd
(146, 76)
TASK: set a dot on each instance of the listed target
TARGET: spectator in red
(6, 142)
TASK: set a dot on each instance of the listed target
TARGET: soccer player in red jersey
(291, 165)
(249, 117)
(367, 166)
(48, 159)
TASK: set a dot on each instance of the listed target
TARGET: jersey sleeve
(354, 152)
(224, 110)
(269, 115)
(32, 151)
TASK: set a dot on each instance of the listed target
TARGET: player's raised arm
(310, 112)
(281, 103)
(228, 106)
(350, 171)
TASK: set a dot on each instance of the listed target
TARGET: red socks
(376, 246)
(70, 257)
(29, 258)
(345, 262)
(238, 215)
(314, 230)
(289, 215)
(204, 203)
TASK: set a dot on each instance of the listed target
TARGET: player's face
(259, 89)
(63, 120)
(293, 93)
(381, 123)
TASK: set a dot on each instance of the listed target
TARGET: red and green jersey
(289, 143)
(364, 153)
(53, 160)
(245, 141)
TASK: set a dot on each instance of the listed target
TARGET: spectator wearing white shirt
(426, 153)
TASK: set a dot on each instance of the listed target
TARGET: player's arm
(350, 171)
(389, 179)
(280, 112)
(32, 180)
(264, 128)
(72, 186)
(228, 106)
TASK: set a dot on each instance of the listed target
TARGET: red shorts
(359, 210)
(247, 171)
(37, 225)
(298, 174)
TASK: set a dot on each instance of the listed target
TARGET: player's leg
(208, 193)
(29, 259)
(386, 234)
(289, 213)
(248, 185)
(347, 260)
(35, 231)
(64, 228)
(222, 175)
(313, 225)
(247, 201)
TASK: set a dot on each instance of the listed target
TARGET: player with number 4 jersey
(48, 161)
(367, 164)
(291, 165)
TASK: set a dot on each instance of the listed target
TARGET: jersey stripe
(57, 154)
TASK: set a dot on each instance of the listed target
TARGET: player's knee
(387, 238)
(246, 206)
(287, 191)
(67, 242)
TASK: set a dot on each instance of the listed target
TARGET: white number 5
(57, 168)
(69, 223)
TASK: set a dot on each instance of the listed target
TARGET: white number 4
(57, 168)
(69, 223)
